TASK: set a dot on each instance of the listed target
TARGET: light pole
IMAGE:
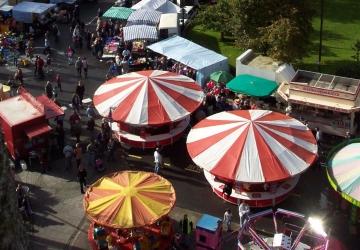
(321, 31)
(182, 5)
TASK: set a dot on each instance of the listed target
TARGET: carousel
(254, 156)
(148, 108)
(289, 230)
(343, 173)
(129, 209)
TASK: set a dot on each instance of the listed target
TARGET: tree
(356, 49)
(12, 232)
(280, 28)
(216, 17)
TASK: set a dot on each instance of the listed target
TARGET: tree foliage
(216, 17)
(280, 29)
(12, 232)
(356, 49)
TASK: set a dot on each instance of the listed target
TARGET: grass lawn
(341, 29)
(211, 40)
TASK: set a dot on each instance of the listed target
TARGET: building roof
(326, 82)
(18, 109)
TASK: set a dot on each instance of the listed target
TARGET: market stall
(26, 11)
(140, 32)
(330, 103)
(204, 61)
(163, 6)
(24, 124)
(144, 17)
(117, 13)
(130, 207)
(257, 153)
(252, 85)
(149, 108)
(111, 47)
(169, 25)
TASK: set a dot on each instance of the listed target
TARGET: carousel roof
(151, 97)
(253, 146)
(344, 171)
(129, 199)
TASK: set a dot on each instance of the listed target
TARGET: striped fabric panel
(140, 32)
(144, 16)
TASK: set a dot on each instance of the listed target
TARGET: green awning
(221, 76)
(118, 13)
(252, 85)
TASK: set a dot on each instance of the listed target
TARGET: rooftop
(17, 110)
(262, 62)
(327, 82)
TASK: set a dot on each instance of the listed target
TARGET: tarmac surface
(59, 220)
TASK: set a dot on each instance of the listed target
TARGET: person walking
(227, 219)
(78, 66)
(40, 67)
(58, 82)
(186, 228)
(91, 150)
(80, 91)
(68, 153)
(82, 178)
(85, 66)
(243, 212)
(70, 54)
(19, 76)
(49, 90)
(157, 160)
(36, 65)
(60, 136)
(76, 103)
(78, 154)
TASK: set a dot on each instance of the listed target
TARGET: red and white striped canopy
(253, 146)
(151, 97)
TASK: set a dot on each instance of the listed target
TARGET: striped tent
(140, 32)
(144, 16)
(118, 13)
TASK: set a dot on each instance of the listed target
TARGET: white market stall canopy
(140, 32)
(170, 22)
(23, 12)
(63, 1)
(144, 16)
(203, 60)
(164, 6)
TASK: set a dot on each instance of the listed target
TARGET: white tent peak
(163, 6)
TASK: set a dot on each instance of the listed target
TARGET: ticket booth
(208, 233)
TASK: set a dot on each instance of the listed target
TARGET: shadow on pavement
(40, 243)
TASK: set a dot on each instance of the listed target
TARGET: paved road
(59, 219)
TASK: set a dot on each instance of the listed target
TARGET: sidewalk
(59, 220)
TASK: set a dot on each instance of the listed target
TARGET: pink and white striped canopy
(151, 97)
(253, 146)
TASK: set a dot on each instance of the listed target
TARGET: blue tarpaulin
(203, 60)
(23, 12)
